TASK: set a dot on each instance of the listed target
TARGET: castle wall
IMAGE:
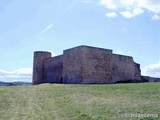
(53, 69)
(96, 67)
(84, 64)
(72, 65)
(150, 79)
(38, 66)
(137, 73)
(124, 69)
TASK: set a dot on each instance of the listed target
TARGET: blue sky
(129, 27)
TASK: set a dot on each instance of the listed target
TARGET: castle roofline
(123, 55)
(42, 52)
(85, 46)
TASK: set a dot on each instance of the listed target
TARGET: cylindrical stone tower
(38, 73)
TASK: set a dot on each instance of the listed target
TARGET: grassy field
(80, 102)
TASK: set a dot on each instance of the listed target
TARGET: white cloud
(120, 52)
(155, 17)
(135, 12)
(47, 28)
(126, 14)
(123, 52)
(23, 74)
(132, 8)
(151, 5)
(53, 54)
(112, 14)
(152, 70)
(129, 52)
(111, 4)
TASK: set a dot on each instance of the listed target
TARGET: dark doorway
(61, 79)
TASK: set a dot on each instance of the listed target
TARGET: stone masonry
(84, 65)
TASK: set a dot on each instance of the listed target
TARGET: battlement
(84, 64)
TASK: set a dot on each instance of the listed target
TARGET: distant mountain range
(14, 83)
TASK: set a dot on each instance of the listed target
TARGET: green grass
(79, 102)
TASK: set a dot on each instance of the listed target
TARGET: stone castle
(84, 65)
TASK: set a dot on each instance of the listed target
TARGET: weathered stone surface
(53, 69)
(72, 65)
(124, 69)
(84, 64)
(38, 66)
(96, 65)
